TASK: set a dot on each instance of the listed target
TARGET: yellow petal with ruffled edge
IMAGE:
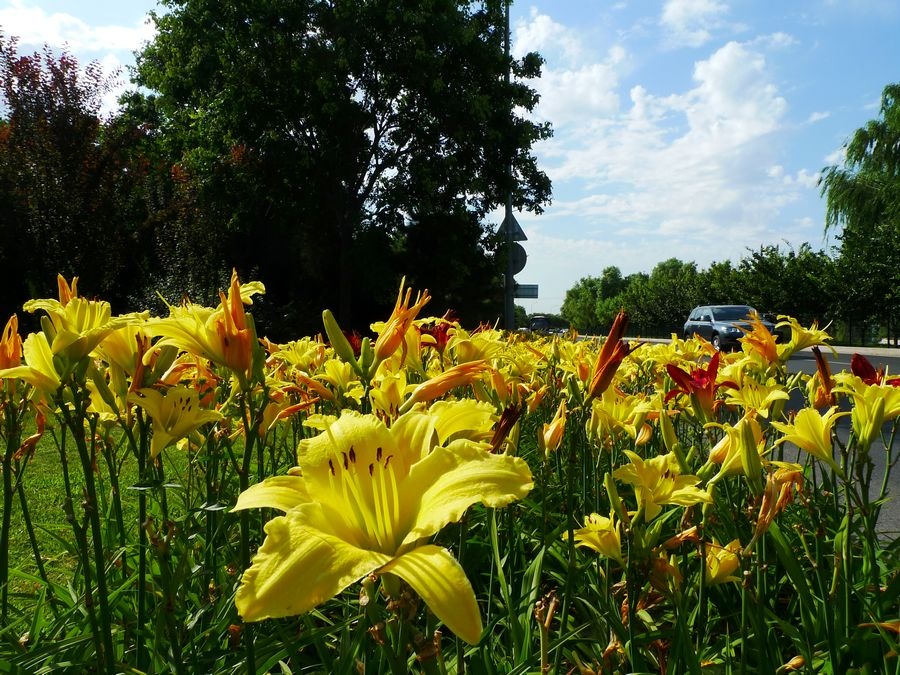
(298, 567)
(278, 492)
(441, 582)
(454, 478)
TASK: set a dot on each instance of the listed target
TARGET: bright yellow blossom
(175, 414)
(602, 535)
(225, 335)
(722, 562)
(364, 501)
(550, 436)
(38, 370)
(657, 481)
(812, 432)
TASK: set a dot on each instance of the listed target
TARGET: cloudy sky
(693, 129)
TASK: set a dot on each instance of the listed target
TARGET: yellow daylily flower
(388, 392)
(38, 370)
(752, 395)
(657, 481)
(732, 452)
(801, 338)
(722, 562)
(551, 435)
(601, 534)
(812, 432)
(364, 500)
(615, 412)
(175, 414)
(758, 340)
(225, 335)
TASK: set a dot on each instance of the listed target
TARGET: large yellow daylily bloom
(364, 501)
(657, 481)
(175, 415)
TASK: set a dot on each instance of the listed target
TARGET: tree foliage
(863, 201)
(70, 182)
(314, 131)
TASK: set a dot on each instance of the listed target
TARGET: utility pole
(510, 292)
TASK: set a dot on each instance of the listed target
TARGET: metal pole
(510, 290)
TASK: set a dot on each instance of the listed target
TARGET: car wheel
(717, 342)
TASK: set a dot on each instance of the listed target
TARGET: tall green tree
(863, 202)
(309, 124)
(69, 181)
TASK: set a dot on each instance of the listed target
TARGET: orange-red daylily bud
(66, 292)
(614, 350)
(11, 344)
(457, 376)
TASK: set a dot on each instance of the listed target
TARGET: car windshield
(738, 313)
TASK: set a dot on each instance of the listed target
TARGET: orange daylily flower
(393, 333)
(457, 376)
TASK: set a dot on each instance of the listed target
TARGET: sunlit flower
(777, 494)
(752, 395)
(392, 334)
(616, 412)
(601, 534)
(457, 376)
(657, 481)
(38, 369)
(225, 335)
(11, 344)
(758, 339)
(611, 354)
(864, 370)
(820, 385)
(801, 338)
(700, 385)
(812, 432)
(731, 452)
(550, 436)
(873, 405)
(77, 325)
(722, 562)
(365, 499)
(175, 414)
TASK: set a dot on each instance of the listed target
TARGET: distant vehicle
(720, 324)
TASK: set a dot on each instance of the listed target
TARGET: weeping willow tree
(863, 207)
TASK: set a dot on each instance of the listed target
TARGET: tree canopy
(319, 135)
(863, 202)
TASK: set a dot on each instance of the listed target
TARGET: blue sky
(693, 129)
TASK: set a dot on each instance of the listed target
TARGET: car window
(736, 313)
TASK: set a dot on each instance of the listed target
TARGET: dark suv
(719, 324)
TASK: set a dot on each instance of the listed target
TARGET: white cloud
(692, 174)
(553, 40)
(110, 45)
(817, 116)
(690, 22)
(32, 25)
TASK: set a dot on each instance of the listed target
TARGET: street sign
(510, 224)
(518, 256)
(527, 291)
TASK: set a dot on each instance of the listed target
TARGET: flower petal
(452, 478)
(278, 492)
(299, 567)
(440, 581)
